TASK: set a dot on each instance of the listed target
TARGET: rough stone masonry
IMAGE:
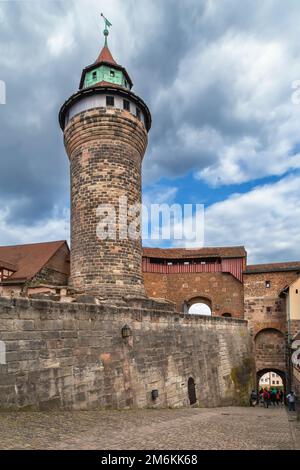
(80, 356)
(140, 353)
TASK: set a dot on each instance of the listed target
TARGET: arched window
(200, 308)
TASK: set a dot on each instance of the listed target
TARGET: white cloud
(253, 76)
(266, 220)
(55, 228)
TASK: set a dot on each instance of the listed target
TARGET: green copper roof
(105, 69)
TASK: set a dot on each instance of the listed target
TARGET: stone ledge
(148, 308)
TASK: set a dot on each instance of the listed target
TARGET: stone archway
(270, 350)
(281, 373)
(199, 306)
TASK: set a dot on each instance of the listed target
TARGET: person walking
(266, 398)
(253, 398)
(273, 397)
(281, 397)
(291, 399)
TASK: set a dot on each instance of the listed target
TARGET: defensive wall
(142, 354)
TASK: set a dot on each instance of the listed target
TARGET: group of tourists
(274, 397)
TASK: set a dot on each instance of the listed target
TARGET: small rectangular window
(110, 101)
(94, 75)
(112, 73)
(269, 309)
(268, 284)
(126, 105)
(296, 291)
(138, 113)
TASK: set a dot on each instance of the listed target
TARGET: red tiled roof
(29, 259)
(103, 83)
(6, 265)
(273, 267)
(105, 56)
(175, 253)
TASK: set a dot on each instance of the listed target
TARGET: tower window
(94, 75)
(110, 101)
(112, 73)
(296, 291)
(138, 113)
(126, 105)
(268, 284)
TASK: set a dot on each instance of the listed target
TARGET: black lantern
(126, 332)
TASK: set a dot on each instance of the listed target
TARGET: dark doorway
(192, 391)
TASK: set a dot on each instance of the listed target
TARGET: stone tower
(105, 129)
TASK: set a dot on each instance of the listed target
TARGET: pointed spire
(105, 70)
(105, 56)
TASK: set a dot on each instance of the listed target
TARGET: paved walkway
(197, 428)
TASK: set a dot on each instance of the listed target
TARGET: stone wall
(74, 356)
(265, 311)
(48, 276)
(224, 291)
(270, 350)
(105, 147)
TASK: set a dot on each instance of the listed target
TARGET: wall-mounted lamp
(126, 332)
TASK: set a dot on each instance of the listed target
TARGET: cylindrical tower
(105, 129)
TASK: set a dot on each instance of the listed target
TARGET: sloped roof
(105, 56)
(273, 267)
(28, 260)
(181, 253)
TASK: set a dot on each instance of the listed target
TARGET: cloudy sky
(218, 77)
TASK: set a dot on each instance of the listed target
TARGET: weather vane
(107, 24)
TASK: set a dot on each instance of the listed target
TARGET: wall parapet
(86, 356)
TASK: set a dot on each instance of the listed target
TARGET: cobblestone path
(193, 428)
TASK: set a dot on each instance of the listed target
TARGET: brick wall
(49, 276)
(105, 147)
(73, 356)
(223, 290)
(265, 312)
(270, 350)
